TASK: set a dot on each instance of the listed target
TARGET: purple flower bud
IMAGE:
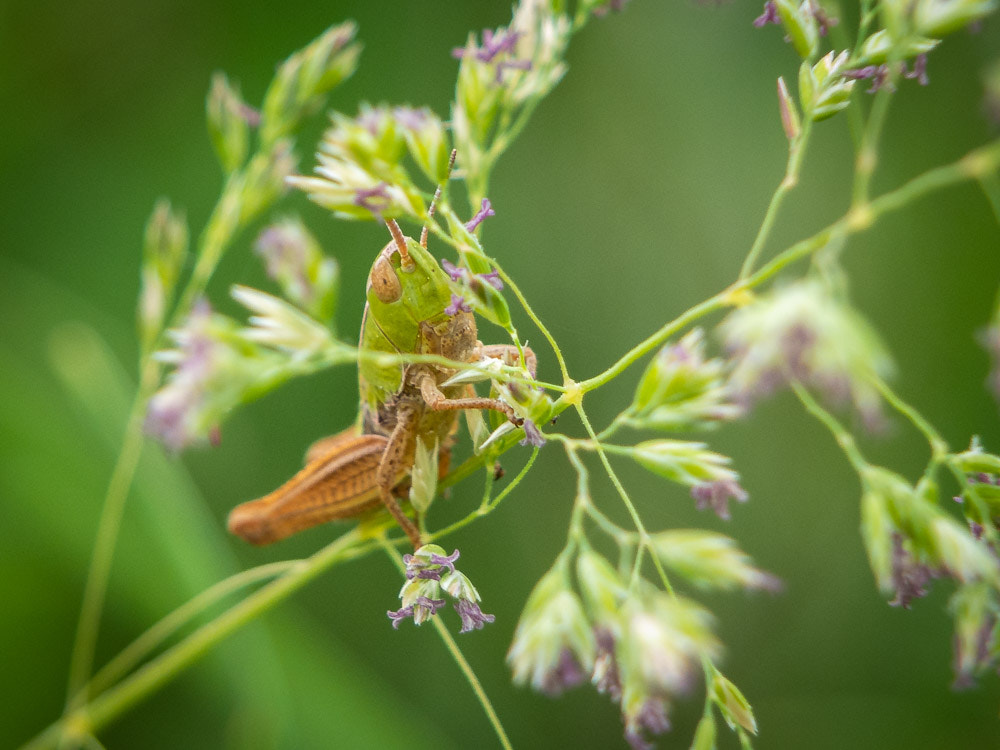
(566, 674)
(878, 74)
(374, 199)
(652, 718)
(823, 21)
(493, 279)
(606, 677)
(909, 577)
(457, 305)
(486, 210)
(472, 616)
(770, 15)
(445, 561)
(532, 436)
(715, 495)
(966, 668)
(421, 567)
(250, 115)
(432, 604)
(919, 70)
(452, 270)
(493, 46)
(171, 413)
(506, 64)
(423, 602)
(410, 118)
(399, 615)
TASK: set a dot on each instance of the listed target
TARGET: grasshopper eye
(385, 282)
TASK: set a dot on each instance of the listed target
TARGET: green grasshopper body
(351, 473)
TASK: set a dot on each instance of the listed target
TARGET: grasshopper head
(408, 294)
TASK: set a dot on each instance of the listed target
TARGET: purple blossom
(770, 15)
(410, 118)
(532, 435)
(963, 666)
(452, 270)
(493, 46)
(484, 211)
(423, 602)
(429, 566)
(566, 674)
(250, 115)
(172, 411)
(493, 279)
(457, 305)
(285, 253)
(397, 616)
(445, 561)
(472, 616)
(508, 65)
(652, 718)
(375, 199)
(919, 70)
(878, 74)
(606, 677)
(715, 495)
(371, 119)
(822, 19)
(909, 577)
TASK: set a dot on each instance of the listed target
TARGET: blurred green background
(634, 193)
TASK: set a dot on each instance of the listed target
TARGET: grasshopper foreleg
(437, 401)
(393, 460)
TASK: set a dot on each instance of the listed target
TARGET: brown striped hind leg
(325, 444)
(337, 483)
(397, 459)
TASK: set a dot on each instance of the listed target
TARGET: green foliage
(621, 626)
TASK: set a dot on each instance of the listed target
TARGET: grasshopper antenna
(437, 195)
(406, 262)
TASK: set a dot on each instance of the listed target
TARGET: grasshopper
(349, 474)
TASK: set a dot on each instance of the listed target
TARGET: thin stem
(844, 438)
(536, 320)
(100, 711)
(462, 522)
(146, 643)
(938, 445)
(460, 660)
(629, 505)
(477, 687)
(718, 302)
(796, 153)
(867, 158)
(112, 510)
(582, 499)
(973, 165)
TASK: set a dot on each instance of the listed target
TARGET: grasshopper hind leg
(395, 459)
